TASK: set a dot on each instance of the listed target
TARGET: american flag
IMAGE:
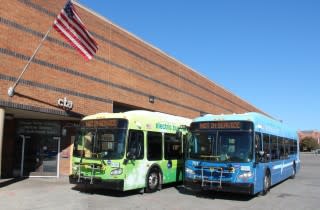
(70, 26)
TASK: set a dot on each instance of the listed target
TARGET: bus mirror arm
(125, 161)
(131, 156)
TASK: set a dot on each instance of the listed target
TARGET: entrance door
(39, 155)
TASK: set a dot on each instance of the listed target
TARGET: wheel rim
(266, 183)
(153, 180)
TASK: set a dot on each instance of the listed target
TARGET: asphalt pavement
(303, 192)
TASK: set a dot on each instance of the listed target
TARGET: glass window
(200, 145)
(258, 146)
(172, 147)
(154, 144)
(224, 146)
(281, 148)
(266, 147)
(135, 145)
(287, 144)
(100, 143)
(294, 148)
(274, 148)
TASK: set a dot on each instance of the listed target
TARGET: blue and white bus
(241, 153)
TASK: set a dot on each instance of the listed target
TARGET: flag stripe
(78, 30)
(74, 42)
(74, 34)
(70, 26)
(71, 41)
(73, 45)
(79, 21)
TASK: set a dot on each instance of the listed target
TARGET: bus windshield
(221, 146)
(100, 142)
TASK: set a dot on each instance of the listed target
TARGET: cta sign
(65, 103)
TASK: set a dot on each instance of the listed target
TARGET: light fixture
(151, 99)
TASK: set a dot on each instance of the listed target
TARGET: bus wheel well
(154, 178)
(268, 172)
(266, 182)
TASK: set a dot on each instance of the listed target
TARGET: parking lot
(303, 192)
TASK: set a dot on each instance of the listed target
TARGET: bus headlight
(117, 171)
(246, 175)
(189, 171)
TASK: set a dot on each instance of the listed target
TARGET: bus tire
(266, 183)
(153, 180)
(294, 171)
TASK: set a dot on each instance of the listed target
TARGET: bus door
(135, 168)
(277, 163)
(258, 164)
(173, 157)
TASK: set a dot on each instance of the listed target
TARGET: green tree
(308, 144)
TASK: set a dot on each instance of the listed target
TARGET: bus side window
(135, 145)
(281, 147)
(288, 146)
(154, 146)
(293, 144)
(266, 148)
(274, 148)
(172, 147)
(258, 147)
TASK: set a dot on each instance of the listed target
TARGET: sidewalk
(12, 181)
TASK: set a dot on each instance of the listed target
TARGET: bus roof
(145, 120)
(261, 123)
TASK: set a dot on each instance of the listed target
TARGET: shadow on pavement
(215, 195)
(202, 194)
(4, 183)
(114, 193)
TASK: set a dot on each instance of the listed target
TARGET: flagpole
(11, 89)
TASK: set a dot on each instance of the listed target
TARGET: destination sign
(222, 125)
(107, 123)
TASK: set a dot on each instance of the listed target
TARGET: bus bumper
(98, 183)
(243, 188)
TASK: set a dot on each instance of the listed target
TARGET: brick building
(126, 73)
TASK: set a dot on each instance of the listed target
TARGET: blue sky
(267, 52)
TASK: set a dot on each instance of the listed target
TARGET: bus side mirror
(261, 153)
(131, 156)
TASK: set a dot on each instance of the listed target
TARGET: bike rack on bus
(94, 167)
(206, 179)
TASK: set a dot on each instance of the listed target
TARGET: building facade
(60, 87)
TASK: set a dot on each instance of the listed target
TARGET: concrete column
(2, 117)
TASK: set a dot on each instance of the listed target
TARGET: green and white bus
(131, 150)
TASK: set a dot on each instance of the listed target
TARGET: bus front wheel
(266, 183)
(153, 181)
